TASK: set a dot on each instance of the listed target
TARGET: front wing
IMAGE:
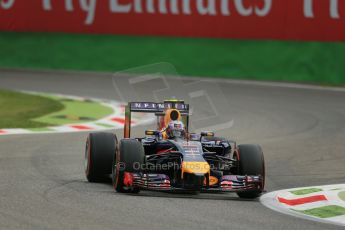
(227, 183)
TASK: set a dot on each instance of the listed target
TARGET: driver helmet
(175, 129)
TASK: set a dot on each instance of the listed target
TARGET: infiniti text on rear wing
(151, 107)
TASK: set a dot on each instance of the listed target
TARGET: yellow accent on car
(149, 132)
(195, 167)
(213, 180)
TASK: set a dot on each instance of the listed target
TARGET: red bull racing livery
(171, 158)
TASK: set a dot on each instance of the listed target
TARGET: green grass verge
(312, 62)
(75, 112)
(305, 191)
(36, 112)
(18, 109)
(325, 212)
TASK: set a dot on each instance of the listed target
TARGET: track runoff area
(67, 121)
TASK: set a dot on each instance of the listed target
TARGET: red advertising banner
(317, 20)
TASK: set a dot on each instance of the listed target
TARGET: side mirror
(207, 134)
(193, 136)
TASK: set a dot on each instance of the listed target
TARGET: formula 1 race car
(170, 158)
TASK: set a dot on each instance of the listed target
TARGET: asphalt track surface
(42, 184)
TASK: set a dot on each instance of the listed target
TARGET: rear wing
(152, 107)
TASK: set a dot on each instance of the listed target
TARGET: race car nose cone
(193, 181)
(194, 174)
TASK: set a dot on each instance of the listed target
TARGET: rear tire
(99, 153)
(251, 162)
(129, 159)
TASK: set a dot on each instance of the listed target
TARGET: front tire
(129, 159)
(99, 153)
(251, 162)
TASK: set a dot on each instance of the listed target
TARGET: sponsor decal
(195, 167)
(6, 4)
(262, 19)
(149, 106)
